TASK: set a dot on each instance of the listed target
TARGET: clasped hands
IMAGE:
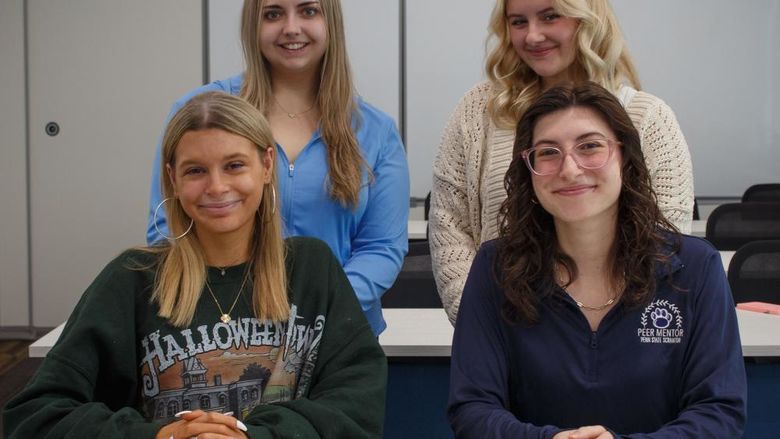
(588, 432)
(203, 425)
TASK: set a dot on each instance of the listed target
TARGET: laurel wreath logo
(660, 310)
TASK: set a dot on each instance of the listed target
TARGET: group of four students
(559, 195)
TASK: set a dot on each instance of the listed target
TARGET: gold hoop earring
(273, 205)
(156, 227)
(273, 199)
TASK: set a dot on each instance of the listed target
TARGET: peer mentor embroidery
(662, 323)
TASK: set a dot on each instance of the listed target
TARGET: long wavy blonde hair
(181, 274)
(335, 97)
(602, 57)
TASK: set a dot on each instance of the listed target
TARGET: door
(102, 75)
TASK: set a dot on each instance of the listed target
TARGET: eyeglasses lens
(592, 154)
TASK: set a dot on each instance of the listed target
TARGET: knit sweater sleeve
(454, 223)
(87, 385)
(667, 157)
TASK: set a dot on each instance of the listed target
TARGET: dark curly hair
(528, 249)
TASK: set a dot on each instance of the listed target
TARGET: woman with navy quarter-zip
(343, 175)
(591, 317)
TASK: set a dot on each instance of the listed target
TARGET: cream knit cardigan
(474, 155)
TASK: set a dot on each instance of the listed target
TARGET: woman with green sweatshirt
(227, 330)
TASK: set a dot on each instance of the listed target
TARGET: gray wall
(14, 299)
(716, 65)
(108, 83)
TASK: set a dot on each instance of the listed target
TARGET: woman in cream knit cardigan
(539, 43)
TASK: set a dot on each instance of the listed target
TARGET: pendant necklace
(225, 316)
(294, 115)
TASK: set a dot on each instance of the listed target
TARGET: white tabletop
(42, 346)
(428, 333)
(417, 229)
(760, 333)
(416, 333)
(725, 256)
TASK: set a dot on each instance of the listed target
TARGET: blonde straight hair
(602, 57)
(339, 118)
(181, 274)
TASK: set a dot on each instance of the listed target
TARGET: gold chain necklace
(294, 115)
(225, 316)
(586, 307)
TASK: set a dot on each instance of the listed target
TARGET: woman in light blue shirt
(343, 173)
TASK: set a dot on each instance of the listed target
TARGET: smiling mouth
(538, 53)
(575, 190)
(293, 46)
(219, 207)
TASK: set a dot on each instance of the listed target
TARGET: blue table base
(417, 390)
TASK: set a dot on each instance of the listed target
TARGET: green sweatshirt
(120, 371)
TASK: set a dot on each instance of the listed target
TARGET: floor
(12, 352)
(15, 370)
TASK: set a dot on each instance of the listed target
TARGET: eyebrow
(191, 162)
(545, 11)
(590, 135)
(579, 138)
(542, 12)
(304, 4)
(184, 163)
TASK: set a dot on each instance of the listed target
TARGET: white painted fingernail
(240, 425)
(183, 412)
(228, 413)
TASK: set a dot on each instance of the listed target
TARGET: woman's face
(293, 36)
(574, 194)
(218, 178)
(542, 38)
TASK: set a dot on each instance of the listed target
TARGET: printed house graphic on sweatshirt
(240, 397)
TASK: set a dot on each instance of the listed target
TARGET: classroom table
(418, 344)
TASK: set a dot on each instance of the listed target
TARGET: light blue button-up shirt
(370, 240)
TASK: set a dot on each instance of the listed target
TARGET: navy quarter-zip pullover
(670, 369)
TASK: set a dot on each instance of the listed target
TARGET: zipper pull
(291, 168)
